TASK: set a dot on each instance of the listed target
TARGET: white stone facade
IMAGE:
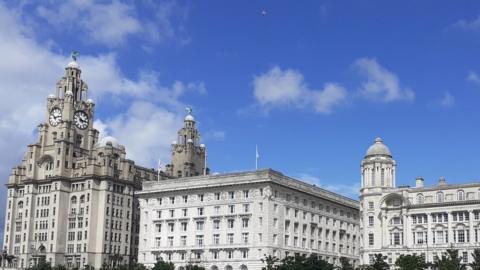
(231, 221)
(421, 220)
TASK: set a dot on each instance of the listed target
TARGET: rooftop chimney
(419, 182)
(442, 181)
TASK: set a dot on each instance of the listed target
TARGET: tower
(378, 167)
(71, 199)
(188, 155)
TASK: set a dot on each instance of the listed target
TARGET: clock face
(55, 117)
(80, 118)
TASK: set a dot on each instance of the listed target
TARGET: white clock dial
(55, 117)
(80, 118)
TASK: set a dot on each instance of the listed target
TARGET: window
(183, 240)
(200, 225)
(200, 197)
(245, 238)
(230, 223)
(230, 238)
(172, 200)
(217, 197)
(245, 254)
(440, 197)
(370, 221)
(158, 242)
(370, 205)
(184, 226)
(231, 209)
(216, 224)
(170, 241)
(420, 199)
(171, 227)
(245, 222)
(216, 239)
(199, 239)
(370, 239)
(246, 208)
(245, 194)
(231, 195)
(184, 212)
(460, 195)
(185, 198)
(200, 211)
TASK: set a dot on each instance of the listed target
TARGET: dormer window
(420, 199)
(461, 195)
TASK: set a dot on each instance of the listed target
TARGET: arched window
(461, 195)
(420, 199)
(82, 199)
(440, 197)
(228, 267)
(20, 205)
(73, 200)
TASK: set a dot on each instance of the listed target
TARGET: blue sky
(311, 82)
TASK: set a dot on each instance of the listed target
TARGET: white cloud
(146, 130)
(473, 77)
(278, 87)
(218, 135)
(351, 191)
(381, 84)
(473, 25)
(447, 100)
(111, 23)
(29, 71)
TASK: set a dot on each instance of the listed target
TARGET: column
(384, 230)
(470, 226)
(406, 231)
(449, 226)
(429, 236)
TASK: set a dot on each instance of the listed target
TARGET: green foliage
(411, 262)
(296, 263)
(41, 265)
(270, 261)
(194, 267)
(62, 267)
(345, 264)
(379, 262)
(161, 265)
(475, 264)
(450, 262)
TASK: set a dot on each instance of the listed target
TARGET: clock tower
(71, 200)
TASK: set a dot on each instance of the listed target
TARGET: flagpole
(256, 157)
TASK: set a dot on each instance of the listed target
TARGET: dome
(73, 64)
(189, 118)
(89, 101)
(69, 93)
(174, 142)
(378, 148)
(108, 141)
(189, 141)
(202, 145)
(51, 96)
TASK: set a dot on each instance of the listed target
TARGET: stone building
(231, 221)
(414, 220)
(71, 200)
(189, 156)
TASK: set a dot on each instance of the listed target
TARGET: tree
(60, 267)
(379, 262)
(303, 263)
(161, 265)
(194, 267)
(41, 265)
(411, 262)
(475, 264)
(450, 262)
(270, 261)
(345, 264)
